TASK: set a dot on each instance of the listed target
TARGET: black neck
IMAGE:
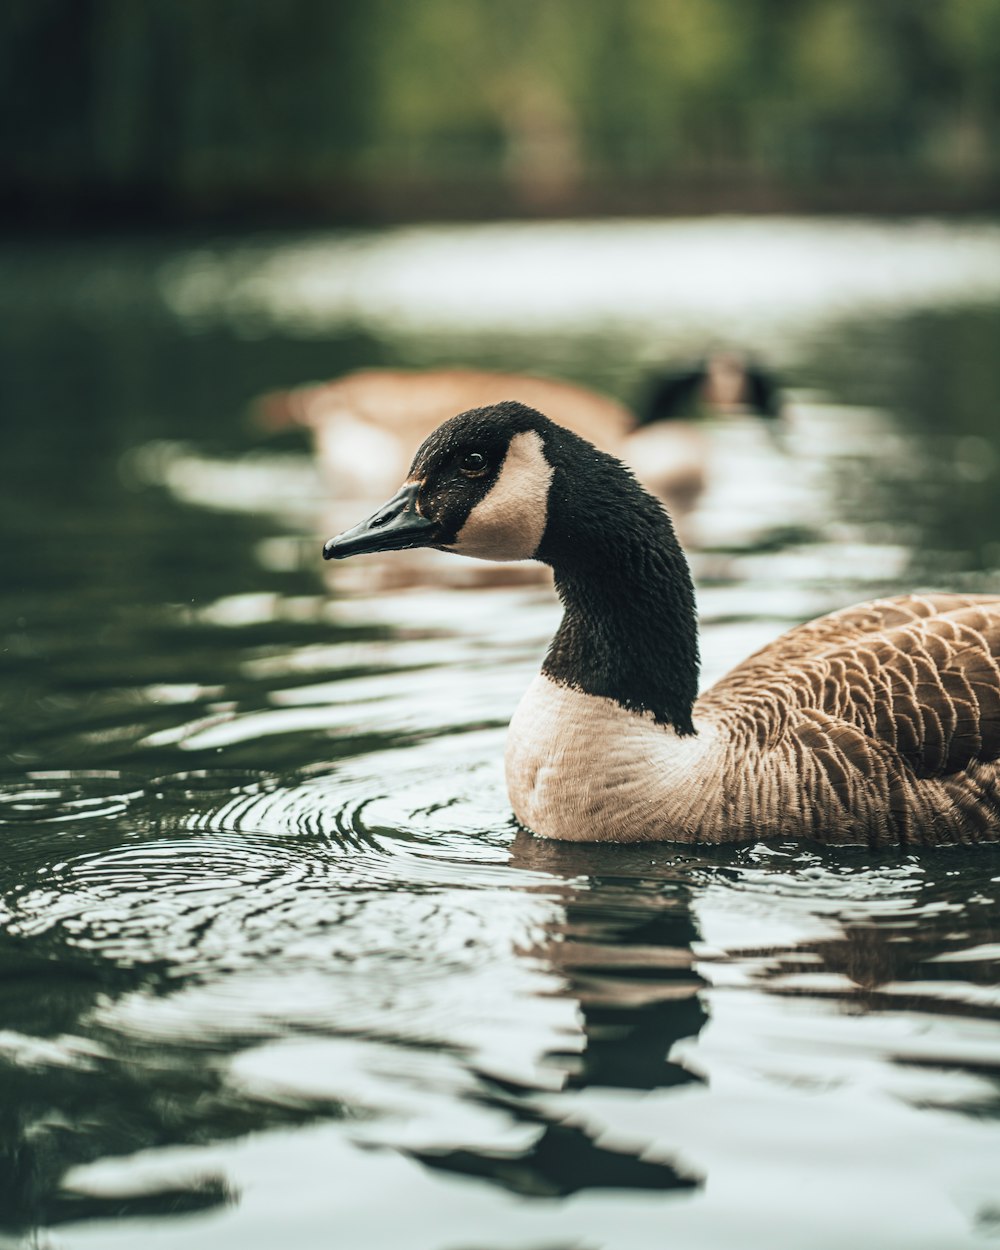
(629, 631)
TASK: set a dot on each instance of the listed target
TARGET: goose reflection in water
(629, 965)
(549, 1018)
(175, 1003)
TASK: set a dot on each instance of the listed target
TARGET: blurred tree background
(353, 110)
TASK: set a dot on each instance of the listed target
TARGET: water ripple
(56, 797)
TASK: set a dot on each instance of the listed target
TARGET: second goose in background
(365, 425)
(670, 442)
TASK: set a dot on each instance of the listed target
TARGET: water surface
(276, 965)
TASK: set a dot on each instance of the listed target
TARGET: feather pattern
(879, 722)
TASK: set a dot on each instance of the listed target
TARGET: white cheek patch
(509, 523)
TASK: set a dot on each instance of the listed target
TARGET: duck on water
(879, 723)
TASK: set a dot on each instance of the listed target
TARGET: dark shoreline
(54, 210)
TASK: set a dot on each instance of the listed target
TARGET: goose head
(506, 483)
(478, 486)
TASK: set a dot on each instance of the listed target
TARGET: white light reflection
(761, 280)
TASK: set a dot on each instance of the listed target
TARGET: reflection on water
(757, 277)
(275, 964)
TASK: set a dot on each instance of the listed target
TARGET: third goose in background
(878, 724)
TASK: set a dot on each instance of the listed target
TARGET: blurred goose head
(724, 382)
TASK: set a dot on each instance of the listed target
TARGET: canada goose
(672, 449)
(723, 381)
(878, 723)
(365, 424)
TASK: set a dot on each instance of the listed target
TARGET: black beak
(394, 527)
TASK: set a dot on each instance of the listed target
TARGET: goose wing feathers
(891, 706)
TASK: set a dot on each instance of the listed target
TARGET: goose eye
(472, 463)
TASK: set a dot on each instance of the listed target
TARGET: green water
(275, 965)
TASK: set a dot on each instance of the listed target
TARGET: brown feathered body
(391, 411)
(878, 724)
